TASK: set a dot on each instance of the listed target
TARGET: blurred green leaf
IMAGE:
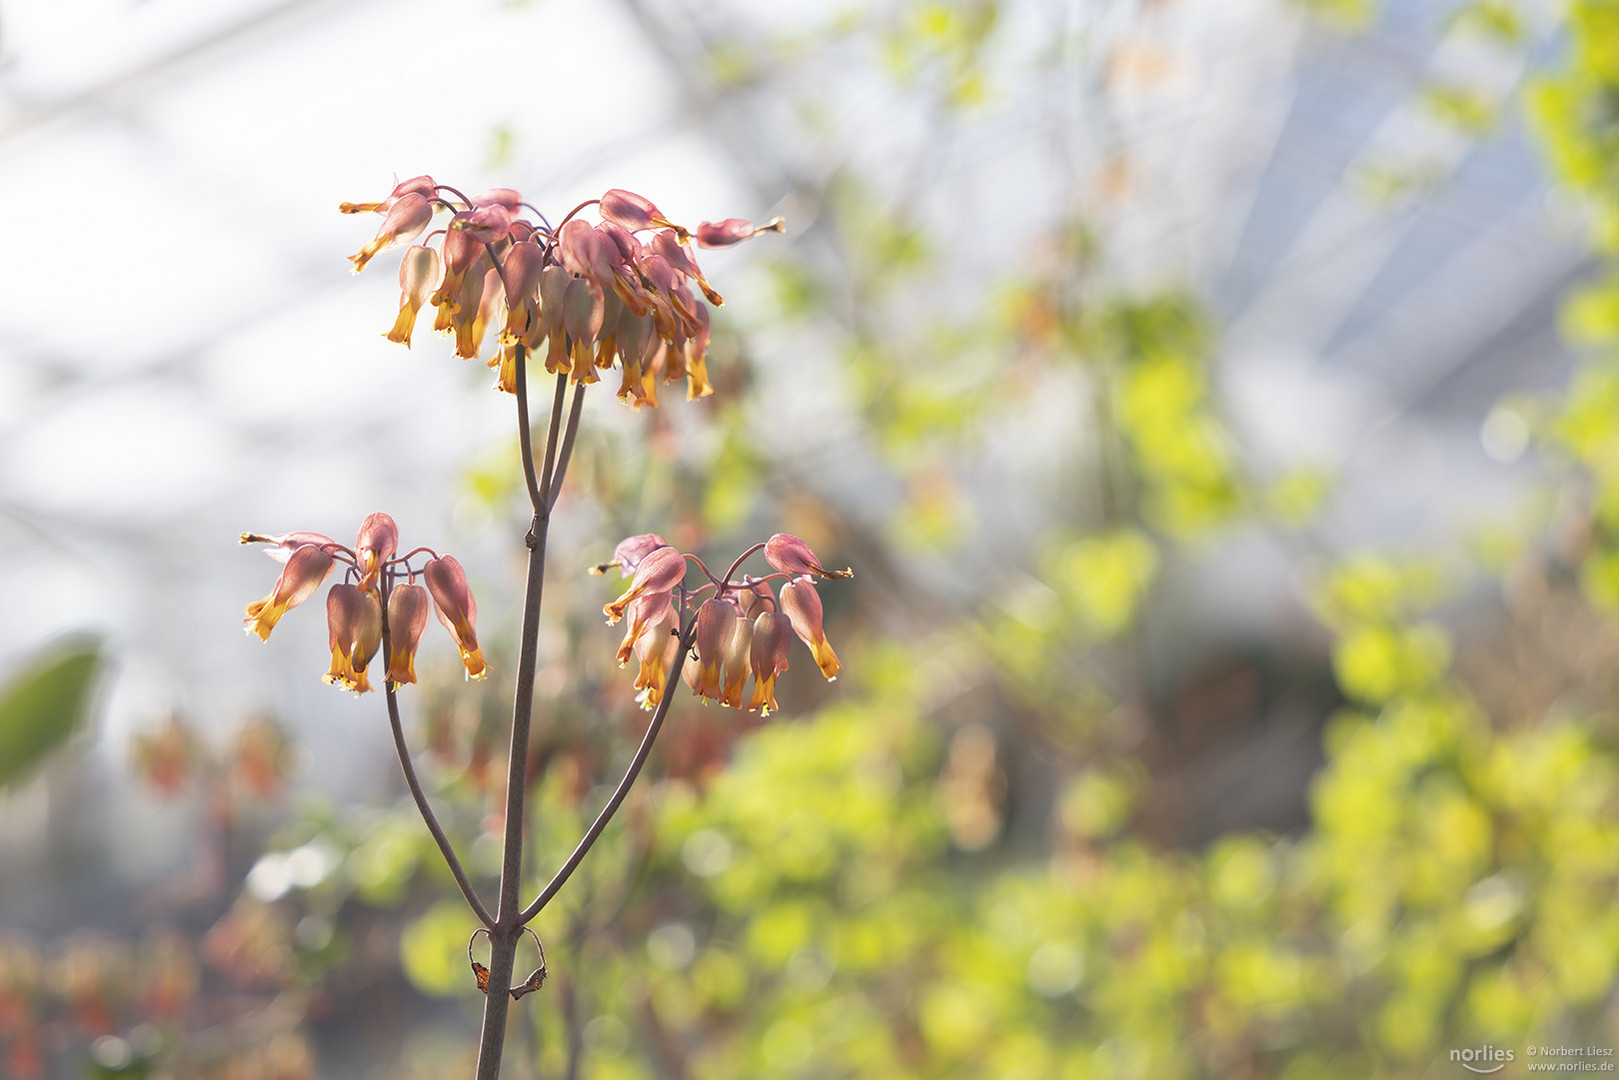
(44, 704)
(433, 950)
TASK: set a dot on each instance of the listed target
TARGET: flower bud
(287, 543)
(377, 542)
(457, 610)
(802, 604)
(499, 196)
(629, 210)
(629, 553)
(307, 567)
(767, 656)
(724, 234)
(420, 185)
(407, 618)
(791, 555)
(354, 630)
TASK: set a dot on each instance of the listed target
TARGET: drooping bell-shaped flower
(791, 555)
(520, 274)
(457, 610)
(582, 315)
(485, 224)
(467, 308)
(803, 605)
(461, 255)
(643, 611)
(354, 629)
(724, 234)
(716, 624)
(656, 648)
(419, 274)
(694, 351)
(629, 553)
(588, 253)
(490, 306)
(407, 618)
(408, 217)
(306, 568)
(735, 660)
(767, 656)
(676, 254)
(659, 572)
(377, 542)
(419, 185)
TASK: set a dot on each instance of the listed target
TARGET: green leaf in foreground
(44, 703)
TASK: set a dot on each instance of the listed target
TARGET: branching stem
(624, 785)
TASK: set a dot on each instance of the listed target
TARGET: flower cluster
(377, 580)
(588, 296)
(743, 629)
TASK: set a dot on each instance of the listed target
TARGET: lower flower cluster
(376, 580)
(741, 629)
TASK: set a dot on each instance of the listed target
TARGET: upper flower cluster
(371, 585)
(743, 629)
(588, 295)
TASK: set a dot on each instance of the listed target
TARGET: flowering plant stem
(506, 926)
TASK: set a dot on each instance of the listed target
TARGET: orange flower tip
(841, 574)
(358, 208)
(597, 571)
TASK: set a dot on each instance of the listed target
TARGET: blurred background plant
(1236, 546)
